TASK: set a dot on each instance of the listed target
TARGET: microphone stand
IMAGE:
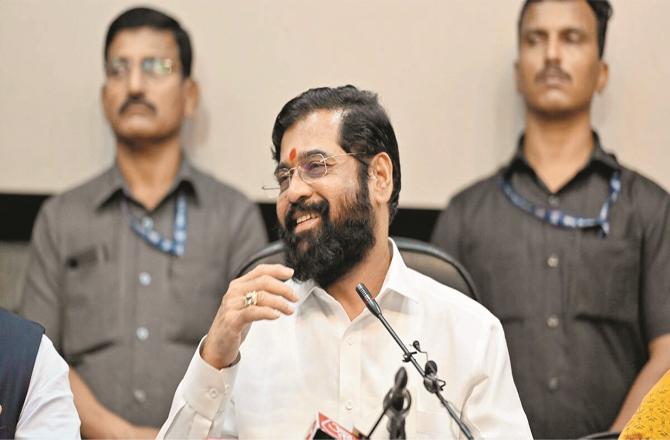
(431, 382)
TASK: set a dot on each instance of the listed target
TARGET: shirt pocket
(91, 310)
(605, 281)
(196, 289)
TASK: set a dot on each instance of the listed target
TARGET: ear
(380, 172)
(603, 77)
(106, 105)
(516, 76)
(191, 96)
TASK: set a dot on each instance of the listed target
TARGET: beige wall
(443, 69)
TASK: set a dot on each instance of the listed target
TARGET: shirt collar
(115, 184)
(599, 155)
(396, 280)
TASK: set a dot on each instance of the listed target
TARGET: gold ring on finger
(250, 298)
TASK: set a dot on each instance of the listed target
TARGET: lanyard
(173, 246)
(556, 217)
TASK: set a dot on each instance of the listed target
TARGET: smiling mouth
(304, 221)
(304, 218)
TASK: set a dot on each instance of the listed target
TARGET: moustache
(552, 70)
(319, 208)
(136, 100)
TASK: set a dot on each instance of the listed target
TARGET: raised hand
(258, 295)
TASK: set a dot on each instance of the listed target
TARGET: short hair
(147, 17)
(365, 127)
(602, 10)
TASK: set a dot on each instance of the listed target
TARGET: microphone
(430, 379)
(396, 410)
(397, 395)
(368, 300)
(396, 406)
(374, 308)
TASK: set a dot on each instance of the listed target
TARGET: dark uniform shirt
(578, 309)
(126, 315)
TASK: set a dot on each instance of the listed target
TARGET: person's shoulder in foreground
(35, 396)
(652, 418)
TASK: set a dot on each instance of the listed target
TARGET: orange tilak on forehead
(292, 154)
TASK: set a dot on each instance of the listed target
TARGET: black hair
(602, 10)
(147, 17)
(365, 126)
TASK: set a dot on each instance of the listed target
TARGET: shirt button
(145, 278)
(553, 321)
(147, 223)
(552, 383)
(349, 405)
(552, 261)
(142, 333)
(554, 201)
(213, 394)
(350, 342)
(139, 395)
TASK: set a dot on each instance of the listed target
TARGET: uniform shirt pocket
(605, 282)
(90, 313)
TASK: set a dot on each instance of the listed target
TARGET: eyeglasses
(152, 67)
(309, 168)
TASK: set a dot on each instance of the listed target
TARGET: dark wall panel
(18, 212)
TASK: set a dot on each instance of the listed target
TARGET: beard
(333, 248)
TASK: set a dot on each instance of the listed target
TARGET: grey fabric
(13, 264)
(127, 316)
(578, 310)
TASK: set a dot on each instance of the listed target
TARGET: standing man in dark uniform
(128, 269)
(568, 248)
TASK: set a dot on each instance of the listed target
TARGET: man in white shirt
(35, 396)
(313, 346)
